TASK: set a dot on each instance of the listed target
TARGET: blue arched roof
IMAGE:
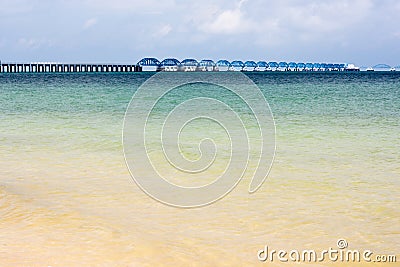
(189, 62)
(309, 65)
(381, 66)
(283, 64)
(237, 63)
(301, 65)
(224, 63)
(262, 64)
(250, 64)
(170, 62)
(207, 63)
(273, 64)
(149, 61)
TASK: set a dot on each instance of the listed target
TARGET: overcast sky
(365, 32)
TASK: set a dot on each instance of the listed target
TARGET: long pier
(172, 64)
(66, 68)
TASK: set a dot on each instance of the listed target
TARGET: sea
(68, 198)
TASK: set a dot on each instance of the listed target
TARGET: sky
(364, 32)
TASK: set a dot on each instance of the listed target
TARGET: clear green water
(67, 197)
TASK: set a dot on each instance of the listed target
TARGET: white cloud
(230, 21)
(280, 21)
(33, 43)
(303, 22)
(89, 23)
(327, 16)
(163, 31)
(137, 6)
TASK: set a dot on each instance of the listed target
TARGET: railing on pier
(66, 68)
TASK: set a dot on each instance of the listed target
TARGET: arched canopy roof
(309, 65)
(301, 65)
(331, 66)
(342, 65)
(336, 66)
(283, 64)
(237, 63)
(292, 65)
(262, 64)
(170, 62)
(207, 63)
(149, 61)
(317, 65)
(189, 62)
(273, 64)
(223, 63)
(381, 66)
(324, 65)
(250, 64)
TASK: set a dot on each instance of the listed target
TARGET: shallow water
(67, 198)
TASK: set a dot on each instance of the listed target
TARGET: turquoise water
(65, 188)
(341, 101)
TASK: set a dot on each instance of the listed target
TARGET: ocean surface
(67, 197)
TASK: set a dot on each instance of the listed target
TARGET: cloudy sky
(365, 32)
